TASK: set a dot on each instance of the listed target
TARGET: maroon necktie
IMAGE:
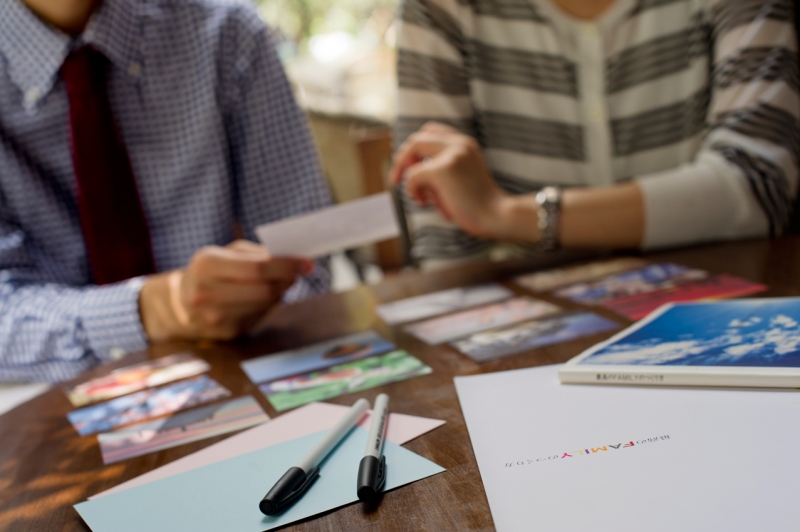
(114, 227)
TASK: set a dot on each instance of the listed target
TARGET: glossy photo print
(137, 377)
(443, 302)
(343, 379)
(648, 279)
(720, 286)
(178, 429)
(146, 404)
(552, 279)
(454, 326)
(532, 334)
(317, 356)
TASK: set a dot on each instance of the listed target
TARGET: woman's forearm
(606, 217)
(446, 168)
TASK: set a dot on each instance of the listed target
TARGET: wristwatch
(549, 201)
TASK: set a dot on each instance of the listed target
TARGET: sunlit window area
(339, 54)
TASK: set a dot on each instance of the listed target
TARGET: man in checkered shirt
(214, 139)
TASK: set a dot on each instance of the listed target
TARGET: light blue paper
(225, 495)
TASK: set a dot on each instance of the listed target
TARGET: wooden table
(47, 467)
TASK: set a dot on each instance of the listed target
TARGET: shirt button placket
(597, 135)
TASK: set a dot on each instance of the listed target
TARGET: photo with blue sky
(749, 332)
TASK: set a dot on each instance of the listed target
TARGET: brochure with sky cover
(749, 342)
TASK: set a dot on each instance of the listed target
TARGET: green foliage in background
(298, 20)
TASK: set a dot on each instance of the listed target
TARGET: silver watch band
(549, 201)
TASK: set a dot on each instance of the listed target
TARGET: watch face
(552, 194)
(549, 199)
(548, 196)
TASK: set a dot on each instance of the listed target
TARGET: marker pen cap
(371, 477)
(288, 488)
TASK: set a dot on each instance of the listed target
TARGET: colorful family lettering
(589, 451)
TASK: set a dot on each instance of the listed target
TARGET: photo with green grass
(346, 378)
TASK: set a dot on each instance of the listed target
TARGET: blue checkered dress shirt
(214, 136)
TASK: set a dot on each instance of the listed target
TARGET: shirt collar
(35, 51)
(116, 30)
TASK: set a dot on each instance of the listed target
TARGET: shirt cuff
(111, 321)
(701, 202)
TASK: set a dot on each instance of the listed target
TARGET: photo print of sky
(750, 332)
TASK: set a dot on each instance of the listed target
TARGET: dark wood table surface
(47, 467)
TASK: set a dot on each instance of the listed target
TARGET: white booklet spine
(657, 376)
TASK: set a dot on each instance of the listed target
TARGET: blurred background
(338, 53)
(340, 58)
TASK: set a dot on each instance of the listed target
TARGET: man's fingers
(241, 310)
(305, 265)
(221, 293)
(246, 246)
(226, 263)
(285, 269)
(216, 293)
(244, 266)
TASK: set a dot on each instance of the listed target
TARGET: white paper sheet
(306, 420)
(349, 225)
(654, 459)
(13, 395)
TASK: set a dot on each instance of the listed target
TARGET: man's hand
(445, 167)
(221, 293)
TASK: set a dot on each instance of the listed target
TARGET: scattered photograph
(648, 279)
(552, 279)
(455, 326)
(146, 404)
(436, 303)
(532, 334)
(137, 377)
(185, 427)
(720, 286)
(747, 332)
(343, 379)
(317, 356)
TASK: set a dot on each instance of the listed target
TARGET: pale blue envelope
(224, 496)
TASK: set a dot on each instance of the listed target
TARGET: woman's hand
(444, 167)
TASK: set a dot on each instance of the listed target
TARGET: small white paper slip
(352, 224)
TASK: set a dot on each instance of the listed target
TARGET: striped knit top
(695, 99)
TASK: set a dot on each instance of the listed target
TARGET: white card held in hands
(352, 224)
